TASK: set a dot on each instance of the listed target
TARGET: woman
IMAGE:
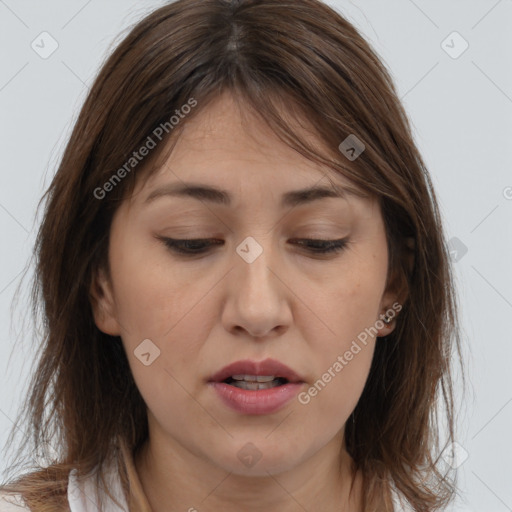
(245, 283)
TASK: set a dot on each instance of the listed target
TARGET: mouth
(250, 387)
(248, 374)
(255, 382)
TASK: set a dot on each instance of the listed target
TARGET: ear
(396, 292)
(103, 304)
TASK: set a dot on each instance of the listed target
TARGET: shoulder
(12, 503)
(82, 495)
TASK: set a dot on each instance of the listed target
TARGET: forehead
(227, 146)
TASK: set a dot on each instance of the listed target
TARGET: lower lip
(263, 401)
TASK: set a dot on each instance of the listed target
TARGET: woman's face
(256, 293)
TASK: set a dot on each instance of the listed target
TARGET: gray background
(461, 112)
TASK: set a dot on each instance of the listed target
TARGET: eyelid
(312, 245)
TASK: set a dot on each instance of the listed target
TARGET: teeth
(255, 386)
(254, 378)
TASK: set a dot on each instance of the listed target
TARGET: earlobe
(103, 304)
(388, 318)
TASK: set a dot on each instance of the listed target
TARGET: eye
(190, 245)
(323, 246)
(195, 246)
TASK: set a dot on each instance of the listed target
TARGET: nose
(258, 299)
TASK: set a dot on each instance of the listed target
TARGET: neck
(174, 480)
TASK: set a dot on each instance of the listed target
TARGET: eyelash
(189, 246)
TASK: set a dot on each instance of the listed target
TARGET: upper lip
(249, 367)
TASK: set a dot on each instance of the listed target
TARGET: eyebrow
(222, 197)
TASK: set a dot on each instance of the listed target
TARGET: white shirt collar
(83, 494)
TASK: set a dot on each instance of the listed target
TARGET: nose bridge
(256, 302)
(255, 259)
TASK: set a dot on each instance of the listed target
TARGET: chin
(259, 458)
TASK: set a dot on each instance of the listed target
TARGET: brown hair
(297, 56)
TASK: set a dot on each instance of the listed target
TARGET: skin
(207, 311)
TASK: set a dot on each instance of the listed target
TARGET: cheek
(155, 303)
(152, 292)
(345, 341)
(357, 294)
(342, 364)
(341, 382)
(169, 401)
(348, 305)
